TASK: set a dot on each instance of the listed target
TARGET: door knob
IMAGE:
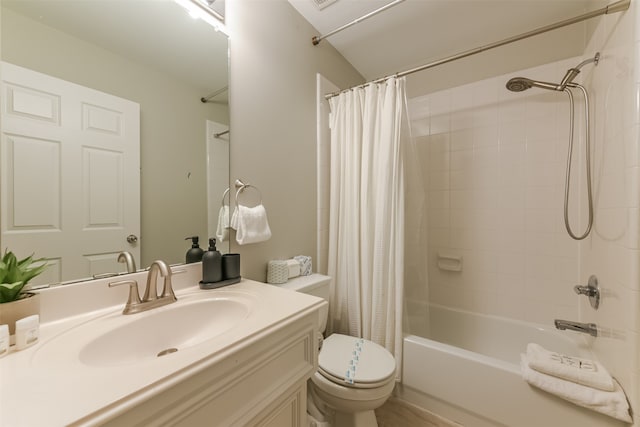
(132, 238)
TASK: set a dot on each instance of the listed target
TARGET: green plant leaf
(10, 291)
(3, 271)
(31, 273)
(14, 271)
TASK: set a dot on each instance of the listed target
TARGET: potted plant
(16, 304)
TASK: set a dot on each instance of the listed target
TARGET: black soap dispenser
(212, 264)
(195, 253)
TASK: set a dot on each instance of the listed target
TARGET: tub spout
(585, 328)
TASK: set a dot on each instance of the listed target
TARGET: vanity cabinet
(243, 356)
(260, 383)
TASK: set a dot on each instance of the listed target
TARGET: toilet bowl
(354, 377)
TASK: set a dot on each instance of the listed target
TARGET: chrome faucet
(150, 299)
(128, 260)
(585, 328)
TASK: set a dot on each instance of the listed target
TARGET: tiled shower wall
(493, 171)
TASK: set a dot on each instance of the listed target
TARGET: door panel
(70, 174)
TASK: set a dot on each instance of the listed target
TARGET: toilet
(354, 376)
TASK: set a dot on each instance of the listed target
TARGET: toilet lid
(355, 362)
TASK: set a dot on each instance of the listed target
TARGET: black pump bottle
(195, 253)
(212, 264)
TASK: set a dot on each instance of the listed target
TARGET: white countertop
(59, 390)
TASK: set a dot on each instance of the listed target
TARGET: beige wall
(273, 111)
(173, 203)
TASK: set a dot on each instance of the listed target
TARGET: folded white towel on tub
(253, 226)
(612, 403)
(581, 371)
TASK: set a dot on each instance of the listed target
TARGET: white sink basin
(164, 332)
(116, 339)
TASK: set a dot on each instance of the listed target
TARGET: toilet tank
(315, 284)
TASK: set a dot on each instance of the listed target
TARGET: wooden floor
(399, 413)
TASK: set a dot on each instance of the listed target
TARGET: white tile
(461, 238)
(461, 199)
(438, 180)
(440, 237)
(541, 151)
(461, 160)
(512, 133)
(439, 161)
(486, 157)
(462, 140)
(440, 123)
(462, 119)
(461, 180)
(486, 115)
(440, 102)
(486, 136)
(485, 178)
(439, 143)
(420, 127)
(439, 218)
(439, 199)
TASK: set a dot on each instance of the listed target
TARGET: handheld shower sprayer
(519, 84)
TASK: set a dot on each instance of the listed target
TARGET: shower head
(518, 84)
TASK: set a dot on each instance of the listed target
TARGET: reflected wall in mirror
(123, 54)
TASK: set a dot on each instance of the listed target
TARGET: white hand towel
(234, 219)
(222, 231)
(581, 371)
(612, 403)
(253, 226)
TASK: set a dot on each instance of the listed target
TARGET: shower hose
(569, 161)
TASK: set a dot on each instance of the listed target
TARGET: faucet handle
(591, 290)
(134, 296)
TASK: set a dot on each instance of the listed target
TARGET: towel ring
(226, 192)
(242, 188)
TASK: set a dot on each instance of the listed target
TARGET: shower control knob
(591, 290)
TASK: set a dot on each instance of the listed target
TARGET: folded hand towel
(612, 403)
(222, 232)
(253, 226)
(581, 371)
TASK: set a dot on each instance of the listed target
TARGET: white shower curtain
(366, 213)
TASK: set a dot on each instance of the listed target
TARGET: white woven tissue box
(277, 272)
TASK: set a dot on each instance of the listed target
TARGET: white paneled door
(69, 174)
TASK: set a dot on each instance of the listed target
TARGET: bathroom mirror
(147, 53)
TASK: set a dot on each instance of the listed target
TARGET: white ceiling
(416, 32)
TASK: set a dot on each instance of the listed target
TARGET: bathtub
(469, 372)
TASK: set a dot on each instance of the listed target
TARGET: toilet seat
(355, 362)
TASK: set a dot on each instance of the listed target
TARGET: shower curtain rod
(214, 94)
(615, 7)
(317, 39)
